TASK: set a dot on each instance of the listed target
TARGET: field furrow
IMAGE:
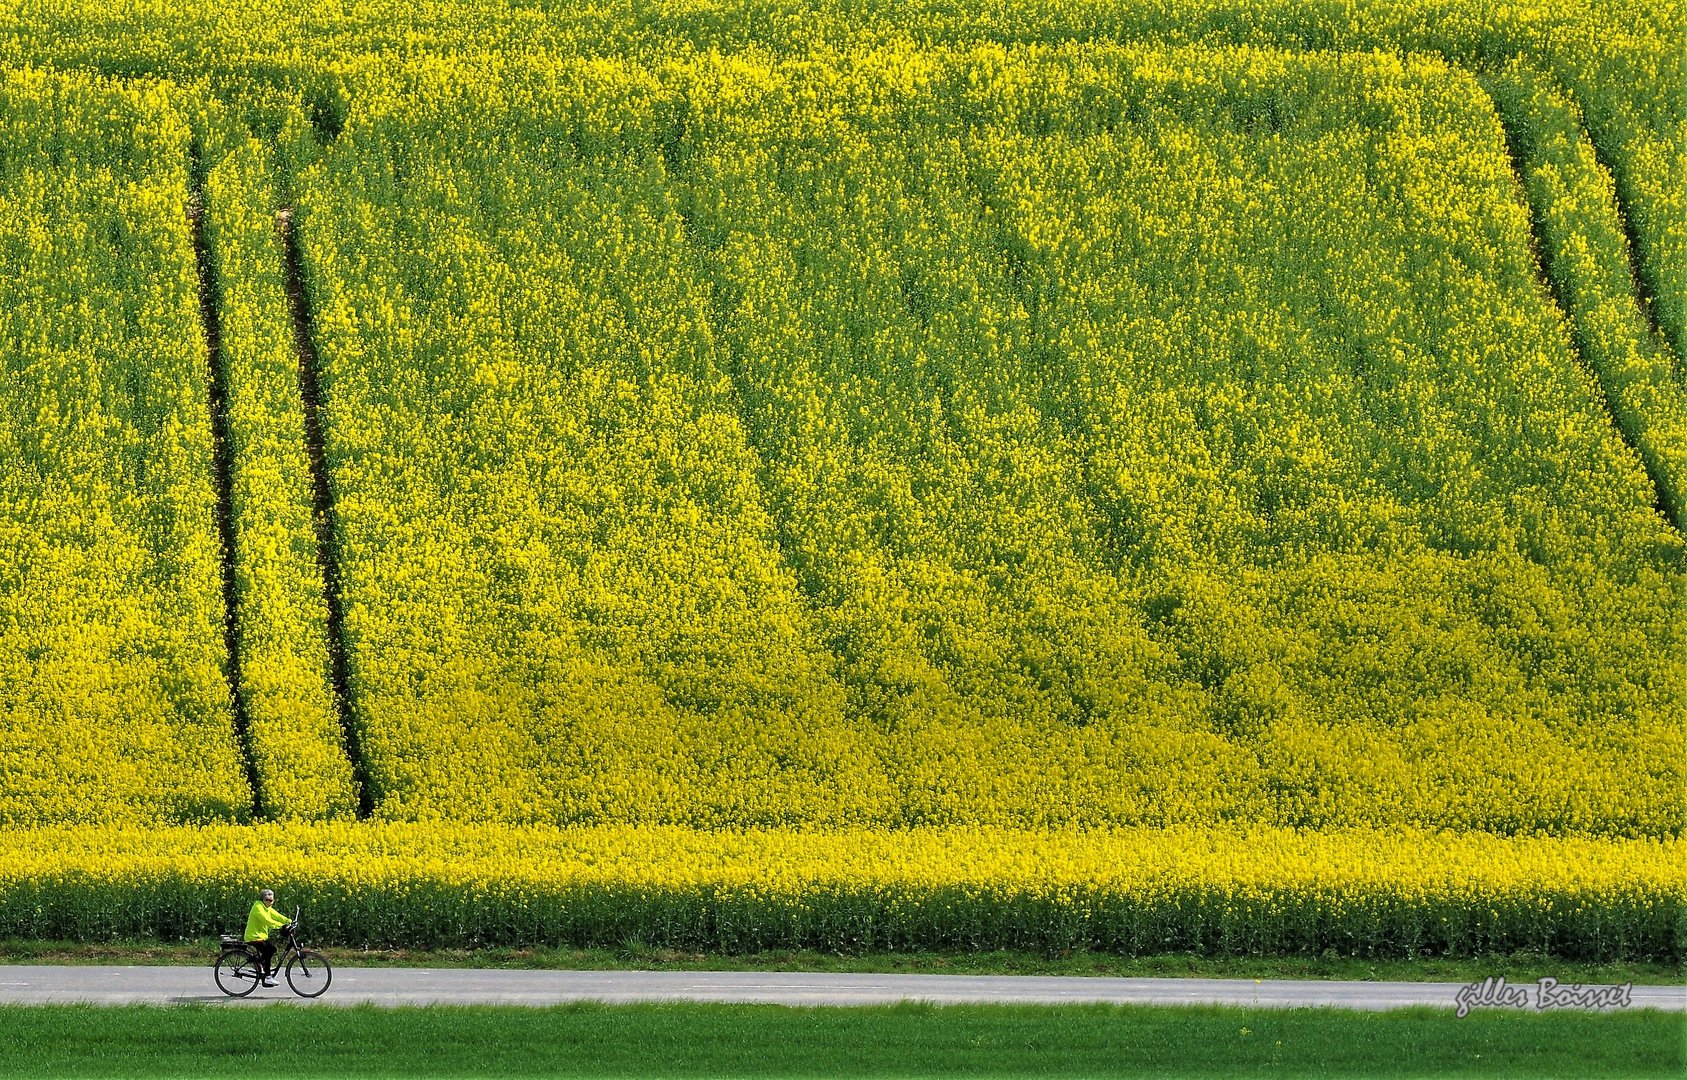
(284, 648)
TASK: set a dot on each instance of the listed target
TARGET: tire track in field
(322, 505)
(1640, 267)
(1641, 276)
(1517, 161)
(210, 318)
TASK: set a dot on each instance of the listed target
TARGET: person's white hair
(266, 894)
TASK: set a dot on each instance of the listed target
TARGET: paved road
(420, 986)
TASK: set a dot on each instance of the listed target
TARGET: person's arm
(274, 918)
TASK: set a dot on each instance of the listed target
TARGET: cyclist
(263, 919)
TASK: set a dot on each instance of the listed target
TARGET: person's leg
(266, 957)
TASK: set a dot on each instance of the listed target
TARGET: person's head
(267, 896)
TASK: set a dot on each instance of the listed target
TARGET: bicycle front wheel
(237, 973)
(308, 973)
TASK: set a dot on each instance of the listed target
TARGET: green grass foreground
(692, 1040)
(1518, 967)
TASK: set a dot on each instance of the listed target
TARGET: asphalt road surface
(458, 986)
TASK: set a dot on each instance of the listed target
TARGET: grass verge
(686, 1040)
(1516, 967)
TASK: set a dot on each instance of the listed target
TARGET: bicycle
(239, 969)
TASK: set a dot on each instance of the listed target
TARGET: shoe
(269, 983)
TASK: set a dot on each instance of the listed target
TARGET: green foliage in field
(113, 703)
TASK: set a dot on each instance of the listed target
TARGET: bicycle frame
(290, 947)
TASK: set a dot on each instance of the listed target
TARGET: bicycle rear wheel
(308, 973)
(237, 973)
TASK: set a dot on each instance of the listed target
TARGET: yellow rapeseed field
(1250, 891)
(847, 473)
(1028, 437)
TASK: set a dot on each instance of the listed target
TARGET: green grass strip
(1517, 967)
(762, 1041)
